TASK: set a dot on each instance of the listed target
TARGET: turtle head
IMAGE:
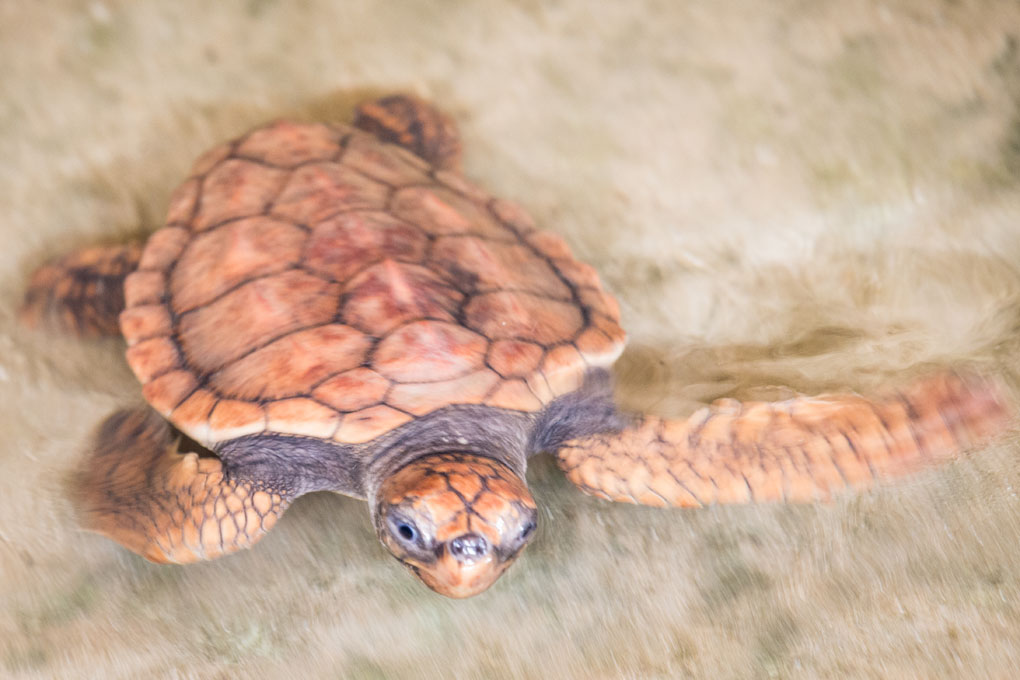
(456, 520)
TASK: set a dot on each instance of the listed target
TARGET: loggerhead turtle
(334, 307)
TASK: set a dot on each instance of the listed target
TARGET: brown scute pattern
(153, 357)
(318, 282)
(183, 202)
(390, 294)
(236, 188)
(81, 293)
(165, 392)
(146, 288)
(442, 212)
(286, 367)
(315, 192)
(353, 390)
(422, 398)
(237, 323)
(163, 248)
(508, 315)
(218, 260)
(286, 144)
(429, 351)
(136, 489)
(800, 450)
(367, 424)
(365, 155)
(342, 246)
(484, 266)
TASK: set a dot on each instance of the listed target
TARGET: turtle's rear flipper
(414, 124)
(136, 488)
(798, 450)
(82, 292)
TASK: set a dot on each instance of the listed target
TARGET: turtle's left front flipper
(798, 450)
(81, 292)
(136, 488)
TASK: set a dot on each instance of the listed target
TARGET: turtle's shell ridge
(312, 280)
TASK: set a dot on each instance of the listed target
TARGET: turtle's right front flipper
(81, 292)
(136, 488)
(798, 450)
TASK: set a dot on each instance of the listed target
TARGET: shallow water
(798, 197)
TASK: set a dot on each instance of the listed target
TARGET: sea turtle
(334, 307)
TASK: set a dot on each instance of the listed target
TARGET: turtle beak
(466, 566)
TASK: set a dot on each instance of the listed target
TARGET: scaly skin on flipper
(799, 450)
(414, 124)
(166, 506)
(81, 292)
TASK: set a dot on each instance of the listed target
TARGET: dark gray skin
(446, 492)
(305, 464)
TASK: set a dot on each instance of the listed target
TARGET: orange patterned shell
(312, 280)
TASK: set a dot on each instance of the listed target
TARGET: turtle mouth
(456, 577)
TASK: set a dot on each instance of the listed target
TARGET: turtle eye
(405, 531)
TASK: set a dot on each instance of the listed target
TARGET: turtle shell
(312, 280)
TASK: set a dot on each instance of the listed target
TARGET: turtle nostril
(468, 548)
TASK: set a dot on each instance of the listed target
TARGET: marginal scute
(597, 349)
(145, 321)
(512, 358)
(609, 327)
(210, 159)
(182, 203)
(423, 398)
(362, 426)
(286, 143)
(460, 184)
(153, 357)
(550, 245)
(167, 391)
(313, 281)
(232, 418)
(563, 369)
(163, 248)
(601, 303)
(353, 390)
(581, 274)
(302, 416)
(144, 288)
(192, 416)
(514, 395)
(512, 215)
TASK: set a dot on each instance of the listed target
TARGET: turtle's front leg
(82, 292)
(136, 488)
(799, 450)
